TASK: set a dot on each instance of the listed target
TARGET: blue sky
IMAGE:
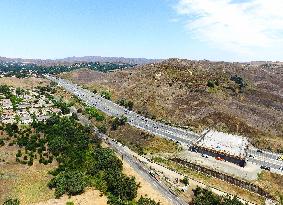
(231, 30)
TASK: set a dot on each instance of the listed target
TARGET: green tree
(206, 197)
(19, 91)
(130, 105)
(5, 90)
(17, 118)
(185, 181)
(12, 202)
(2, 143)
(102, 129)
(118, 121)
(93, 112)
(146, 201)
(106, 95)
(70, 182)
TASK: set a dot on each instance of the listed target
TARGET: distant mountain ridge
(74, 59)
(138, 61)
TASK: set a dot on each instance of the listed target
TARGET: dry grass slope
(177, 91)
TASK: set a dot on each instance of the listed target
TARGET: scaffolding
(223, 146)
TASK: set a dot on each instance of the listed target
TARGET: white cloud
(239, 26)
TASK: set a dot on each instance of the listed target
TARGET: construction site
(222, 146)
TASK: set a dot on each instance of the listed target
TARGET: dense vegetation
(94, 113)
(12, 202)
(240, 81)
(21, 70)
(118, 121)
(206, 197)
(63, 106)
(82, 161)
(125, 103)
(106, 95)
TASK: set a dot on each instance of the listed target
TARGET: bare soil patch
(27, 83)
(89, 197)
(27, 183)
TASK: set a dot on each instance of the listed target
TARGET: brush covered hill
(239, 98)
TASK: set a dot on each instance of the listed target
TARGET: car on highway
(219, 158)
(265, 167)
(204, 155)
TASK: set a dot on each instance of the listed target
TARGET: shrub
(126, 103)
(106, 95)
(146, 201)
(30, 162)
(239, 80)
(12, 202)
(185, 181)
(71, 182)
(204, 196)
(102, 129)
(118, 121)
(211, 84)
(93, 112)
(2, 143)
(19, 154)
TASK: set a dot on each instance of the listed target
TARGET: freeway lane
(255, 152)
(268, 163)
(267, 159)
(153, 127)
(134, 119)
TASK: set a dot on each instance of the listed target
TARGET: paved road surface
(267, 159)
(139, 168)
(173, 133)
(136, 165)
(134, 119)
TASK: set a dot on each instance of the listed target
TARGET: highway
(135, 164)
(261, 158)
(267, 159)
(134, 119)
(139, 168)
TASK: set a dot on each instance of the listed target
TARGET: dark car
(259, 151)
(265, 167)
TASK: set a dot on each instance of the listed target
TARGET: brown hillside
(201, 94)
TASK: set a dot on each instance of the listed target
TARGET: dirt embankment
(27, 83)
